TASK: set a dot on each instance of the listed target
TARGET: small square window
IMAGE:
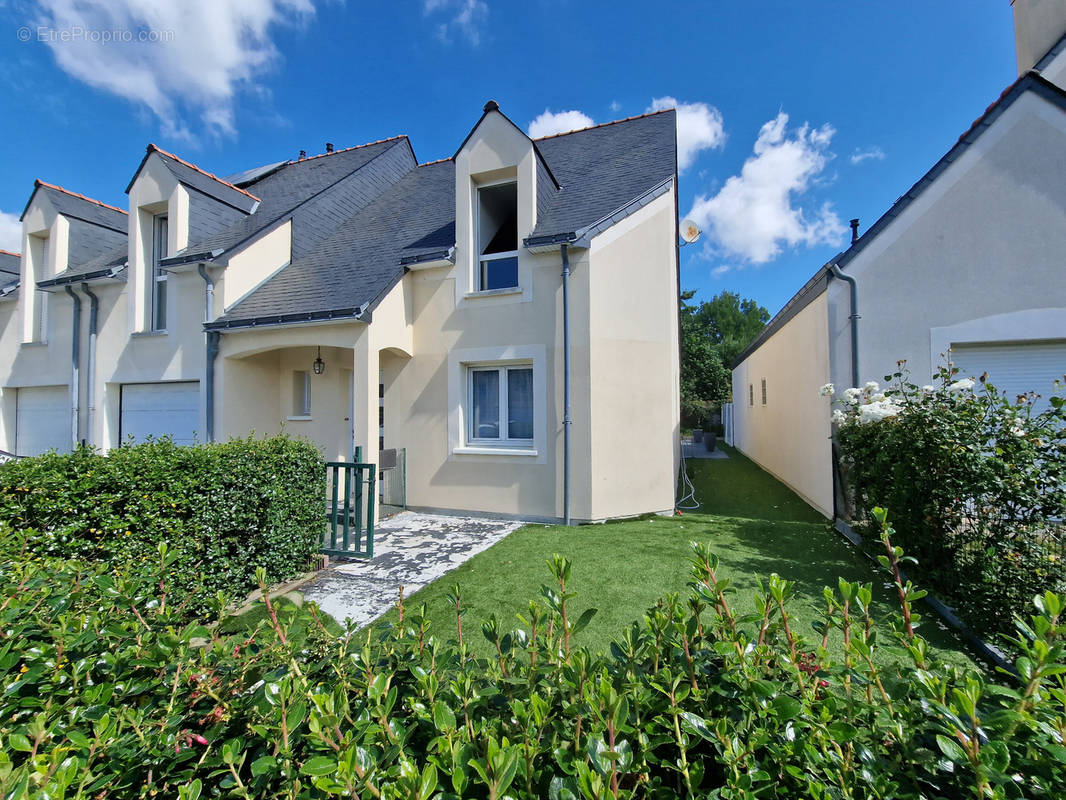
(301, 393)
(497, 237)
(501, 404)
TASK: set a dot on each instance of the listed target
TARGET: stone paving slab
(410, 550)
(689, 450)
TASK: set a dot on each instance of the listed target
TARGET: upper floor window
(37, 301)
(764, 391)
(159, 275)
(497, 236)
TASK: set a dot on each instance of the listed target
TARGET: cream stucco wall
(789, 435)
(984, 241)
(254, 264)
(634, 421)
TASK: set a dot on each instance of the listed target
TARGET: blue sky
(795, 116)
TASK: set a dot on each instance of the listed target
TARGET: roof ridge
(349, 149)
(9, 253)
(992, 106)
(605, 124)
(431, 163)
(48, 185)
(190, 165)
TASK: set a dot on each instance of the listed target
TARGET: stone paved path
(410, 549)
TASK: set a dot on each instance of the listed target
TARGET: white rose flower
(1017, 431)
(838, 417)
(851, 396)
(877, 411)
(964, 385)
(877, 398)
(827, 390)
(872, 386)
(928, 389)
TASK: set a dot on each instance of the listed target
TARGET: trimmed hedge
(223, 509)
(708, 696)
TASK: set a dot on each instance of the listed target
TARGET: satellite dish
(690, 231)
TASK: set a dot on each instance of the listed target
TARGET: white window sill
(300, 418)
(490, 450)
(495, 292)
(35, 344)
(146, 334)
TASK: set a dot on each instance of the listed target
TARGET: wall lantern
(319, 366)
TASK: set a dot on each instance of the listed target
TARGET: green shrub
(107, 695)
(223, 509)
(976, 482)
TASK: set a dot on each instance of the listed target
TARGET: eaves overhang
(106, 274)
(360, 314)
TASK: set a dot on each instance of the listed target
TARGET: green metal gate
(350, 525)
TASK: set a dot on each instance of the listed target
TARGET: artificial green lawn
(754, 524)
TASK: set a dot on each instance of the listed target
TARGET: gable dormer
(497, 172)
(173, 204)
(60, 229)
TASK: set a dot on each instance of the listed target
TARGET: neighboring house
(970, 261)
(431, 296)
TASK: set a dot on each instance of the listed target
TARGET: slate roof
(601, 169)
(1030, 82)
(282, 191)
(78, 206)
(9, 264)
(204, 182)
(353, 268)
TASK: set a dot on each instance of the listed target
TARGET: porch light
(319, 366)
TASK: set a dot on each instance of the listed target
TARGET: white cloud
(756, 212)
(558, 122)
(10, 232)
(615, 106)
(875, 153)
(719, 271)
(699, 127)
(465, 17)
(192, 56)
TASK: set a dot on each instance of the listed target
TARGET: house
(970, 260)
(359, 298)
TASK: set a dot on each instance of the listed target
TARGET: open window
(497, 234)
(159, 275)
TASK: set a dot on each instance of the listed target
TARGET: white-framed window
(39, 260)
(500, 404)
(497, 236)
(301, 393)
(159, 275)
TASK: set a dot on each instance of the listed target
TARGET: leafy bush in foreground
(107, 695)
(976, 482)
(223, 509)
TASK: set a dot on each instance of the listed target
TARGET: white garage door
(160, 409)
(1014, 368)
(42, 420)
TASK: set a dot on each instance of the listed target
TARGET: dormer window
(497, 233)
(159, 275)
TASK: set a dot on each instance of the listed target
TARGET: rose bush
(976, 481)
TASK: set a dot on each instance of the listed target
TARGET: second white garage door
(1014, 368)
(42, 420)
(161, 409)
